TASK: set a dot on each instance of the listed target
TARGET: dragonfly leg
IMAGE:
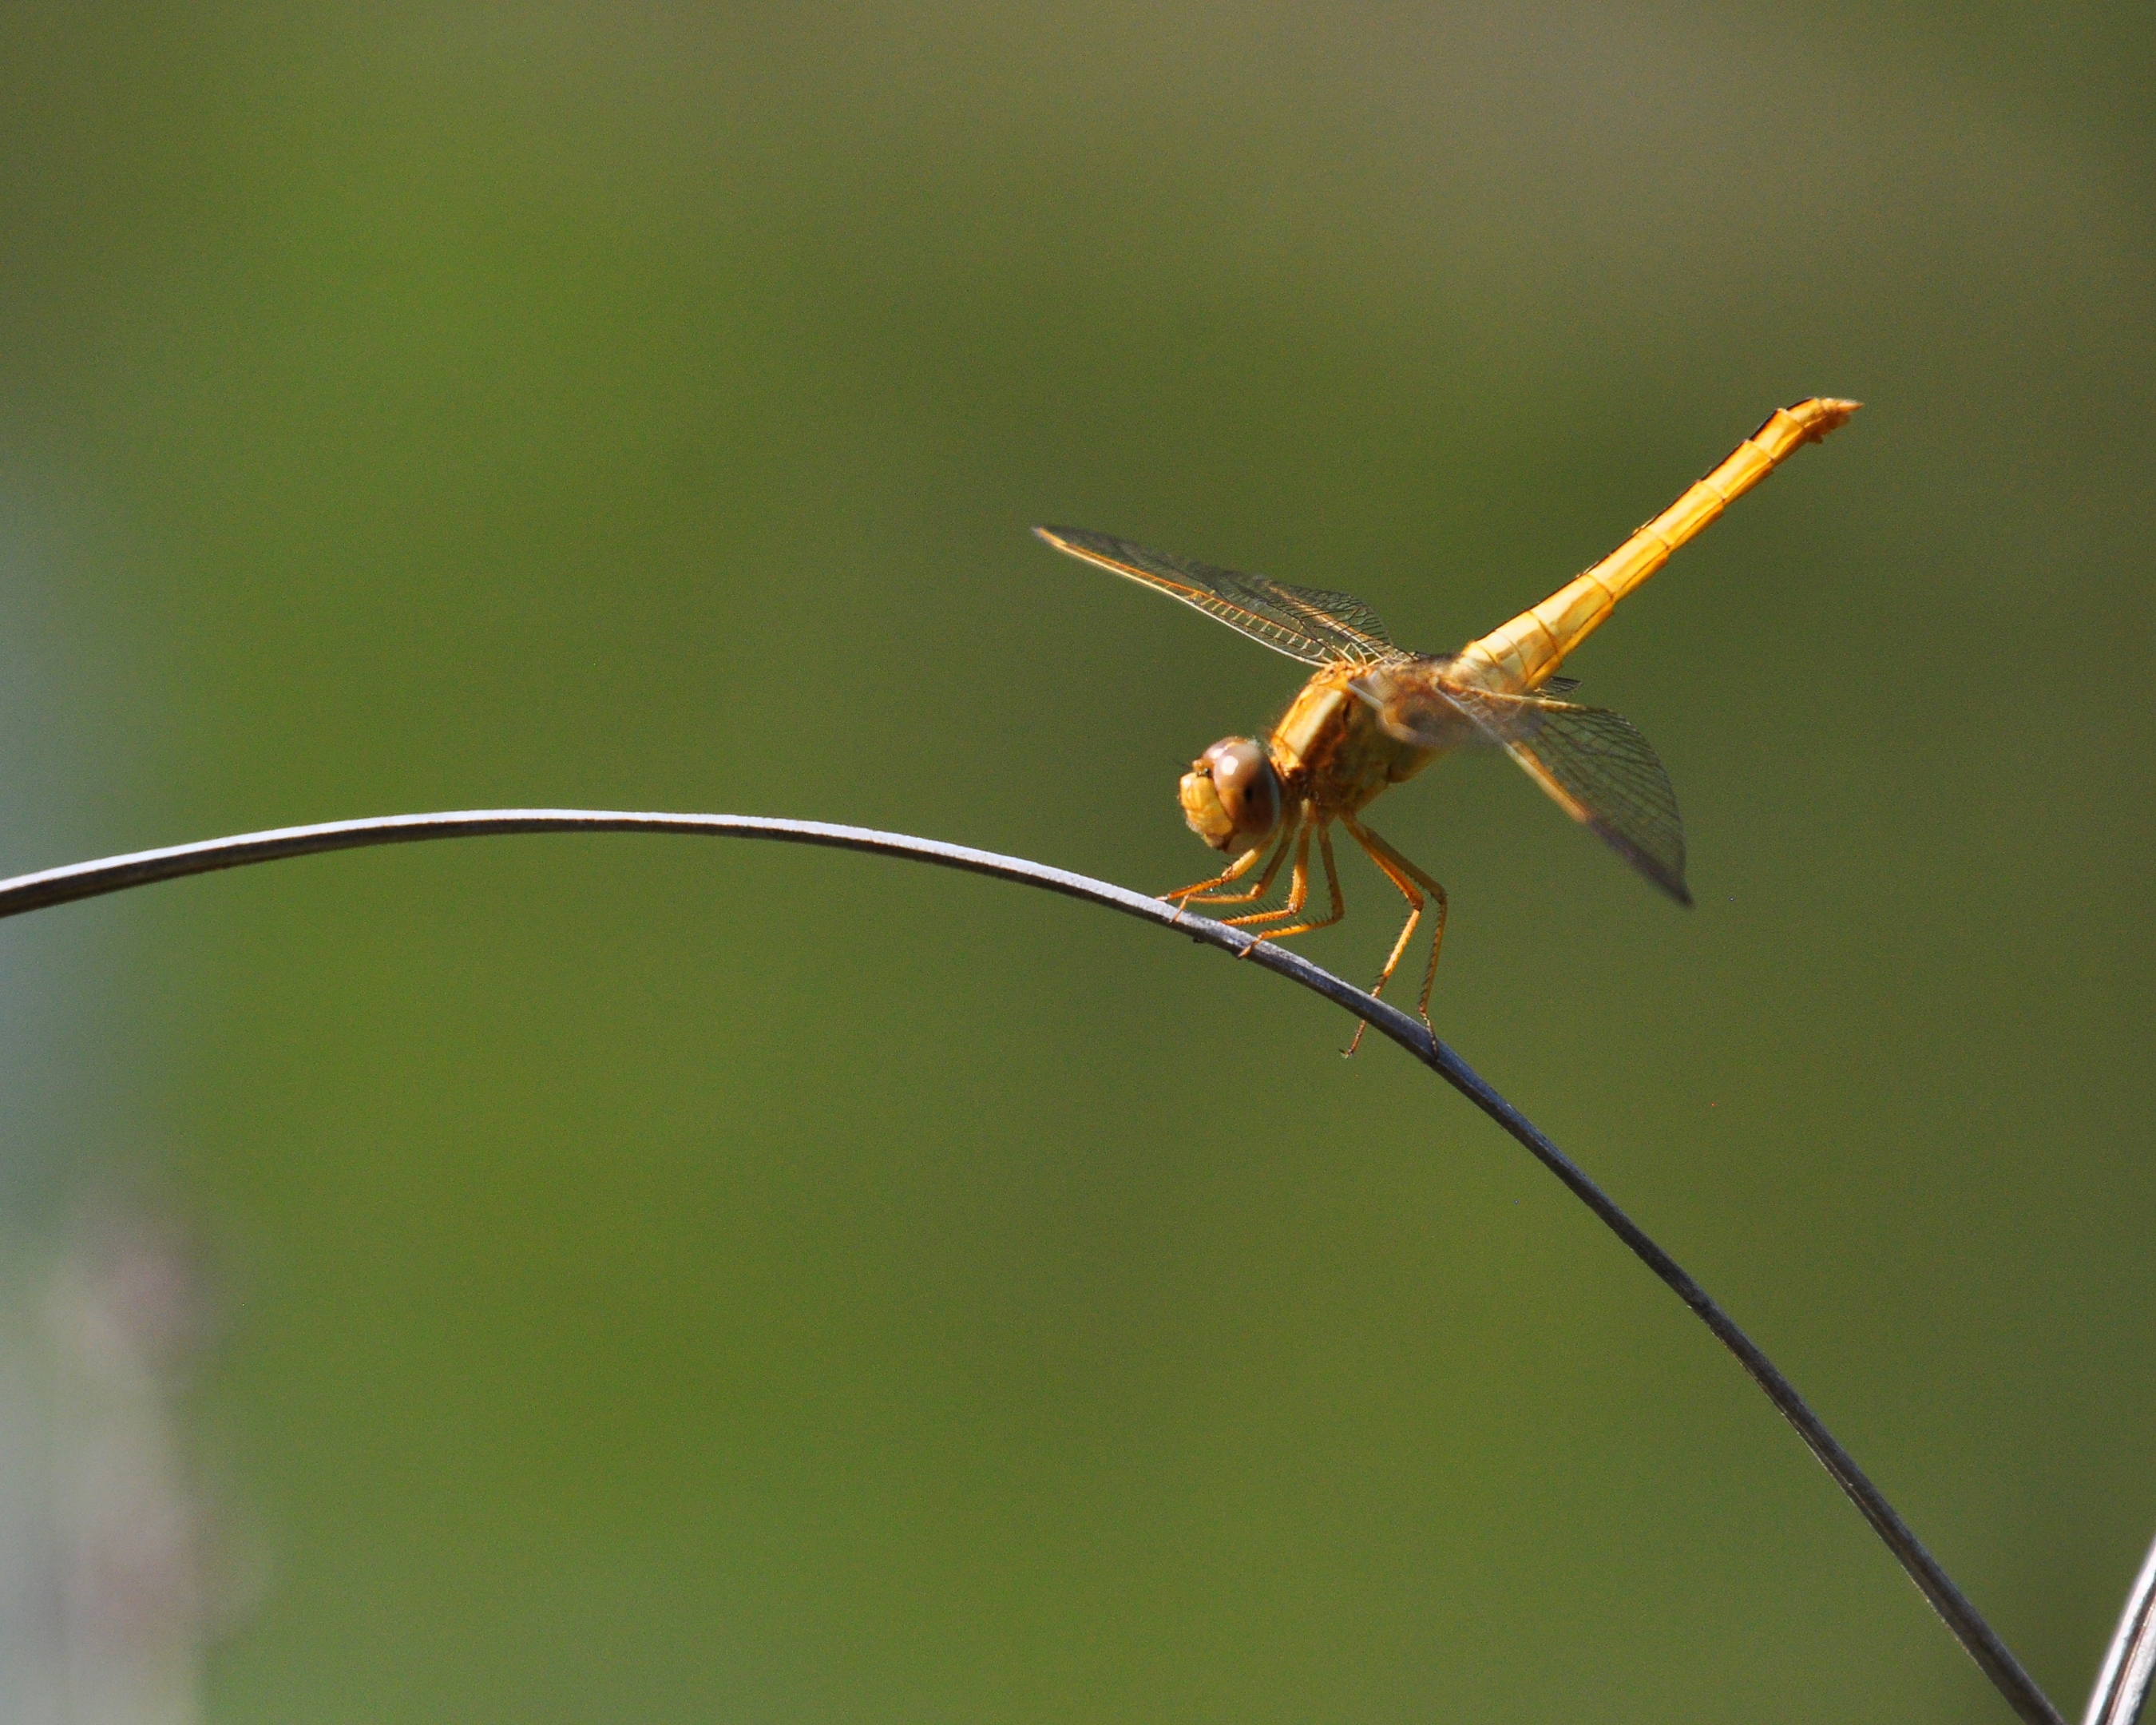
(1298, 888)
(1405, 876)
(1297, 897)
(1203, 894)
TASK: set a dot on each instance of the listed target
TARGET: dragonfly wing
(1597, 767)
(1353, 628)
(1317, 627)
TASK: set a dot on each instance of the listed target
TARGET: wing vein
(1306, 624)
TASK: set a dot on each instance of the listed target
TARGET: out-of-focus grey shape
(111, 1581)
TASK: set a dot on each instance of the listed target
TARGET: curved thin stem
(2122, 1686)
(90, 880)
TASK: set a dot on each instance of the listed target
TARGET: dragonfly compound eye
(1231, 797)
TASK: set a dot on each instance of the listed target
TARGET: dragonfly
(1374, 714)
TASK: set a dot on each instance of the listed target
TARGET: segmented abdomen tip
(1824, 413)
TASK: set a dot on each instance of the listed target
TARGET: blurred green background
(668, 1279)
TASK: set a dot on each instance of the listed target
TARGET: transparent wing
(1600, 771)
(1316, 627)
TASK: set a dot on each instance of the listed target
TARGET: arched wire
(116, 874)
(2122, 1686)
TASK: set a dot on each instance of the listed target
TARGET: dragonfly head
(1231, 796)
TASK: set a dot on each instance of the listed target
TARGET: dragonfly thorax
(1330, 747)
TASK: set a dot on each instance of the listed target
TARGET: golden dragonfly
(1373, 715)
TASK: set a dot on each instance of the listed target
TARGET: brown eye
(1244, 779)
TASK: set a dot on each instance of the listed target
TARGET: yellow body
(1372, 715)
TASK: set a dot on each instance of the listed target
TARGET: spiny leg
(1414, 915)
(1437, 936)
(1405, 876)
(1234, 871)
(1184, 897)
(1298, 888)
(1332, 886)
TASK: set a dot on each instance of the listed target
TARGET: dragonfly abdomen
(1524, 652)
